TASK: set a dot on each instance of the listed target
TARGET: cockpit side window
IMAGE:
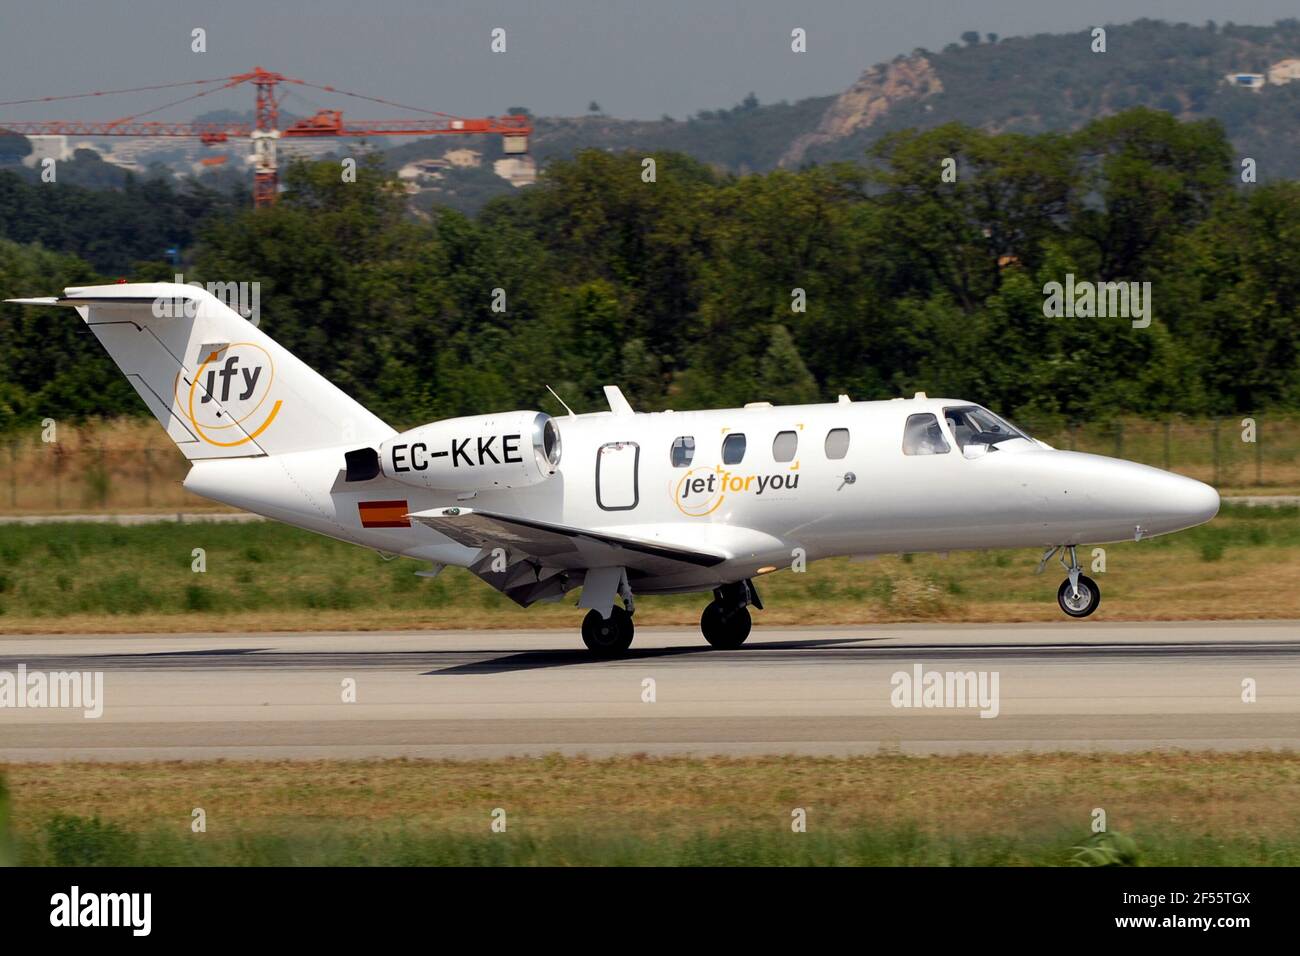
(971, 424)
(923, 436)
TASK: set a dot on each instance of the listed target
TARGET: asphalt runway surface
(466, 694)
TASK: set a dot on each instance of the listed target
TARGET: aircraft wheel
(608, 638)
(724, 626)
(1083, 603)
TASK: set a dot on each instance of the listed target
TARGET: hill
(1029, 84)
(1055, 82)
(1015, 84)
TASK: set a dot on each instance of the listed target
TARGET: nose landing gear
(1078, 594)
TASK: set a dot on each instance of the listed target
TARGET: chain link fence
(85, 472)
(1240, 454)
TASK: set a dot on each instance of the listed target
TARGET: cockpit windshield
(971, 424)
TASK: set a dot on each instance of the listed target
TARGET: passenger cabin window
(971, 424)
(683, 451)
(923, 436)
(837, 443)
(733, 449)
(784, 446)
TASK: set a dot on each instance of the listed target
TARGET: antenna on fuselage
(561, 401)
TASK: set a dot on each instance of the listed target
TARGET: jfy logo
(226, 373)
(225, 398)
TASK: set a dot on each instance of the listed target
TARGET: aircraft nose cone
(1117, 498)
(1188, 501)
(1196, 500)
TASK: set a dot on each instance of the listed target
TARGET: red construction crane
(515, 129)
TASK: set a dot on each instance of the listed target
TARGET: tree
(13, 146)
(1011, 194)
(971, 38)
(1154, 176)
(783, 377)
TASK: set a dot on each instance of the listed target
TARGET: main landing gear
(726, 622)
(608, 637)
(1078, 594)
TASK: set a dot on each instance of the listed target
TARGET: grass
(265, 576)
(1162, 809)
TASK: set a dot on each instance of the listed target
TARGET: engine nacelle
(476, 453)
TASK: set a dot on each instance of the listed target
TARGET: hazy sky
(637, 58)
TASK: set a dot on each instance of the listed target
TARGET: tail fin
(221, 387)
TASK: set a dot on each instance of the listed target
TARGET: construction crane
(265, 130)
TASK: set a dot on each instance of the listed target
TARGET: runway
(822, 691)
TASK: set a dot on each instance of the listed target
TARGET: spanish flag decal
(383, 514)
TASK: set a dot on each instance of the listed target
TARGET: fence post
(13, 473)
(1119, 439)
(148, 469)
(1169, 427)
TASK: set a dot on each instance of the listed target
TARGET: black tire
(608, 638)
(725, 627)
(1085, 603)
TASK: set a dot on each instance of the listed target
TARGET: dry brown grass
(1232, 795)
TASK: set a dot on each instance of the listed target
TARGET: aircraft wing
(541, 560)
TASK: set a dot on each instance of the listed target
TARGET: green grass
(1246, 563)
(82, 841)
(104, 569)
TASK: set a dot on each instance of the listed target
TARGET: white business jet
(619, 503)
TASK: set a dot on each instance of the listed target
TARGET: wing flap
(559, 546)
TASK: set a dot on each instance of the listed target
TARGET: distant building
(464, 158)
(1284, 71)
(516, 170)
(122, 162)
(1251, 81)
(47, 147)
(423, 169)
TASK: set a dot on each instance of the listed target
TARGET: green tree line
(702, 288)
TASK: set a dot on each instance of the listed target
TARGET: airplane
(619, 503)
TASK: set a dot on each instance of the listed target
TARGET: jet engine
(476, 453)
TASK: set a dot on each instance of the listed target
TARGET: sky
(636, 58)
